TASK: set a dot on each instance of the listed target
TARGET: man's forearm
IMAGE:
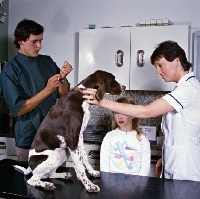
(31, 103)
(63, 88)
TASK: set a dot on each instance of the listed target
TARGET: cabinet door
(94, 162)
(100, 49)
(144, 40)
(196, 57)
(12, 157)
(9, 146)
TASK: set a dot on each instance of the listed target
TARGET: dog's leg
(66, 175)
(35, 181)
(48, 168)
(77, 157)
(85, 161)
(80, 172)
(22, 169)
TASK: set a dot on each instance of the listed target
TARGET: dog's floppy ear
(100, 91)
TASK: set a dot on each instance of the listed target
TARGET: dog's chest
(86, 115)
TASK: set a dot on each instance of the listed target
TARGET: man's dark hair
(24, 29)
(170, 50)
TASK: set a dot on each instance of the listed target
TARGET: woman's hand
(159, 167)
(90, 95)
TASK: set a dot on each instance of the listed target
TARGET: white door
(143, 42)
(105, 49)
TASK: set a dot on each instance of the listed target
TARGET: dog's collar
(80, 88)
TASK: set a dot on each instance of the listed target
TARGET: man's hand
(65, 70)
(53, 83)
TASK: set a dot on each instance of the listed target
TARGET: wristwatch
(61, 81)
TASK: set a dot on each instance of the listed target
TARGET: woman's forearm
(154, 109)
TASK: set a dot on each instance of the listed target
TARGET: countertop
(113, 186)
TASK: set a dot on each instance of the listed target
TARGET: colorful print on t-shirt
(124, 154)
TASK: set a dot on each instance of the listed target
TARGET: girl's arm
(145, 158)
(105, 155)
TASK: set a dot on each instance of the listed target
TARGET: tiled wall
(102, 116)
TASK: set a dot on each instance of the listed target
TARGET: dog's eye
(95, 87)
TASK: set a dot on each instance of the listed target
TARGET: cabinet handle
(119, 58)
(140, 58)
(2, 145)
(94, 154)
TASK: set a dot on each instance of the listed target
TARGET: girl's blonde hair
(135, 121)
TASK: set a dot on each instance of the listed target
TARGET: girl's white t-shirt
(122, 152)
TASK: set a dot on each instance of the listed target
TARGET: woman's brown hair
(135, 121)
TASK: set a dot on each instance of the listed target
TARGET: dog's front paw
(49, 186)
(67, 176)
(95, 174)
(93, 188)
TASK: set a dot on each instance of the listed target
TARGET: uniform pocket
(175, 161)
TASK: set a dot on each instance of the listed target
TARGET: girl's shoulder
(109, 136)
(113, 132)
(144, 138)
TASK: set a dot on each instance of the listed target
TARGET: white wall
(63, 19)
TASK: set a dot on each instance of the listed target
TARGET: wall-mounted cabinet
(98, 49)
(196, 50)
(125, 52)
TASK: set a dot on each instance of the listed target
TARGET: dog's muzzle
(123, 89)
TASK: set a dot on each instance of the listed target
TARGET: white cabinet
(7, 149)
(97, 51)
(196, 51)
(116, 50)
(145, 39)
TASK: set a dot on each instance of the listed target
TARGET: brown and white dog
(61, 132)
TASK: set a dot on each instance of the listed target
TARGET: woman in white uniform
(180, 110)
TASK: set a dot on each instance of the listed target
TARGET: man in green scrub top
(31, 84)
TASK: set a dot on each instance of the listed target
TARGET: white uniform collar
(185, 77)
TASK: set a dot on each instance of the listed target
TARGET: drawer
(12, 157)
(155, 156)
(156, 152)
(91, 150)
(152, 172)
(7, 146)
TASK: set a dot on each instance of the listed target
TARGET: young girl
(125, 149)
